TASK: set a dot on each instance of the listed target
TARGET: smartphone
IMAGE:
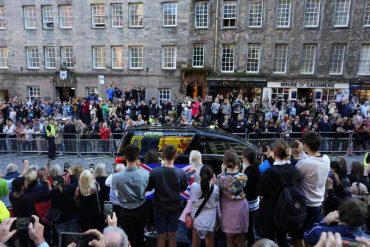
(114, 167)
(22, 223)
(80, 239)
(108, 208)
(91, 167)
(66, 167)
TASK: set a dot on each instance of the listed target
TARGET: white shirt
(315, 171)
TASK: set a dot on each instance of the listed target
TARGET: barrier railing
(346, 143)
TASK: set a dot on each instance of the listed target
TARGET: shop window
(280, 93)
(328, 94)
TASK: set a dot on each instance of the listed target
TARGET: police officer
(50, 135)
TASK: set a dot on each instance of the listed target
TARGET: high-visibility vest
(51, 132)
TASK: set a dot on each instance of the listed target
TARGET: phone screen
(22, 223)
(80, 239)
(114, 167)
(108, 209)
(66, 167)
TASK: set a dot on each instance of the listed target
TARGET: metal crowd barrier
(65, 144)
(345, 143)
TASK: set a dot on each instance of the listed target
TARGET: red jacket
(104, 133)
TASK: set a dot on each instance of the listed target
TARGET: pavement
(42, 160)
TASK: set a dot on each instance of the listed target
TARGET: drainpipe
(215, 41)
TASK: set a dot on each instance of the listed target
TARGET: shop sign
(307, 84)
(316, 85)
(237, 84)
(360, 86)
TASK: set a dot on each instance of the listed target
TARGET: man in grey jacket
(130, 185)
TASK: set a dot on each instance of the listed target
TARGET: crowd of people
(100, 118)
(292, 197)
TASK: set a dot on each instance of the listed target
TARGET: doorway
(304, 93)
(195, 91)
(4, 95)
(65, 93)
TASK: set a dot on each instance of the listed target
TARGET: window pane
(201, 14)
(367, 14)
(364, 66)
(283, 13)
(198, 56)
(253, 58)
(336, 61)
(169, 57)
(117, 15)
(136, 14)
(280, 60)
(2, 18)
(169, 14)
(32, 57)
(136, 54)
(312, 13)
(33, 93)
(49, 57)
(227, 62)
(229, 14)
(308, 59)
(117, 57)
(47, 17)
(4, 57)
(67, 57)
(341, 13)
(30, 18)
(99, 57)
(255, 13)
(98, 15)
(164, 94)
(65, 16)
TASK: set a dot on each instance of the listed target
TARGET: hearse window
(212, 145)
(157, 140)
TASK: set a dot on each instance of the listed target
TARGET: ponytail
(206, 174)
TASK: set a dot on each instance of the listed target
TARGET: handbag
(189, 221)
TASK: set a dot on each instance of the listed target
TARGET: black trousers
(51, 148)
(251, 235)
(133, 222)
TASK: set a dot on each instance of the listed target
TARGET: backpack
(290, 209)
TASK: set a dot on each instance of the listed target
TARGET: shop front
(361, 91)
(308, 91)
(250, 89)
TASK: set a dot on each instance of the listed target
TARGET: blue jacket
(312, 236)
(264, 166)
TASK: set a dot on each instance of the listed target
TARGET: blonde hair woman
(195, 159)
(89, 210)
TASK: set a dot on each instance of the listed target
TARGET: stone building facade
(259, 48)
